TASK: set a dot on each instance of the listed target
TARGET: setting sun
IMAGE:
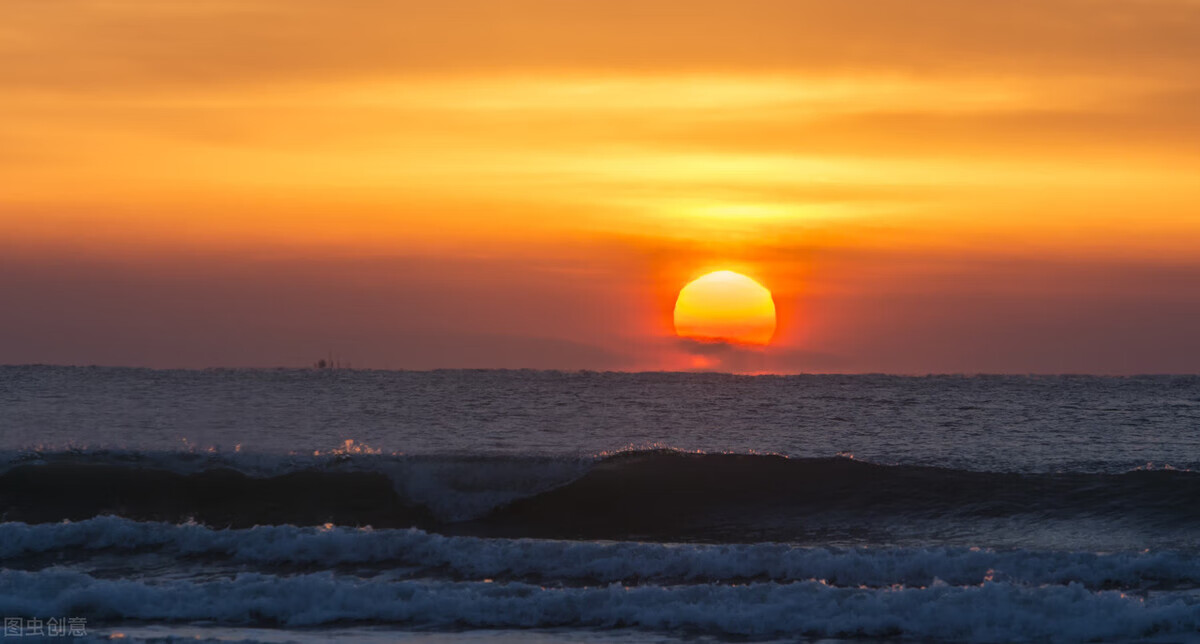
(725, 307)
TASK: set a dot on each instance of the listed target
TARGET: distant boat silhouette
(331, 363)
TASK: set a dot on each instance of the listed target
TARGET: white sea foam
(992, 612)
(593, 562)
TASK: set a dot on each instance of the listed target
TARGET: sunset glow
(484, 184)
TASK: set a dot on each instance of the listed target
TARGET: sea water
(305, 505)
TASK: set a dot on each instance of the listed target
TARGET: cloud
(92, 46)
(738, 358)
(710, 347)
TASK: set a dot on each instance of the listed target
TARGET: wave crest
(646, 495)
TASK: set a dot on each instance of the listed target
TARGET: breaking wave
(992, 611)
(583, 562)
(657, 495)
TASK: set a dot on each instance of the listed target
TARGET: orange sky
(927, 186)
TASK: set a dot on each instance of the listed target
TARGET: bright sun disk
(725, 307)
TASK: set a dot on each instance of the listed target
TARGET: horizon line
(931, 374)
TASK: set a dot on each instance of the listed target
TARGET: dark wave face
(655, 495)
(666, 496)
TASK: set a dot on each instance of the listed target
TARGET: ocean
(515, 506)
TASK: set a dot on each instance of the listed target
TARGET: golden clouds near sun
(725, 307)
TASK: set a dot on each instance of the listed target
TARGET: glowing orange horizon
(989, 197)
(725, 306)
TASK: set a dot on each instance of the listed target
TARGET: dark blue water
(600, 506)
